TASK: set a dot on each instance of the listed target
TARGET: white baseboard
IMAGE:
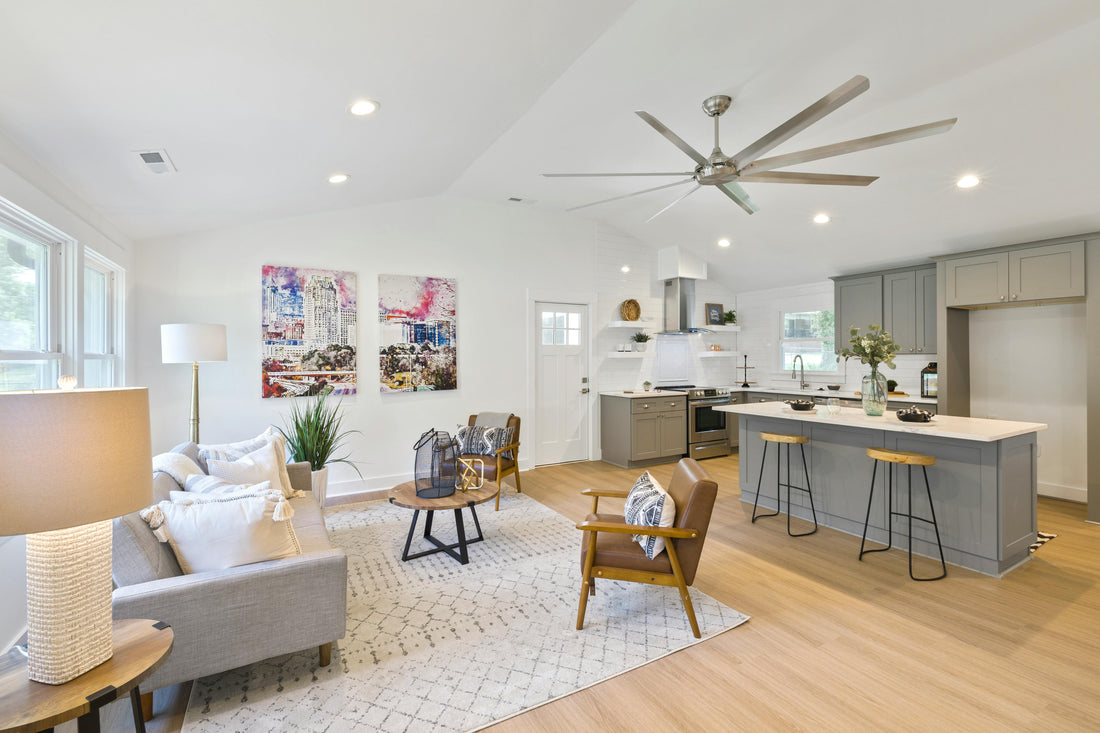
(1068, 493)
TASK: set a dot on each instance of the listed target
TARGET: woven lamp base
(68, 602)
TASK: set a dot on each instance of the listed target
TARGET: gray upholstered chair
(609, 551)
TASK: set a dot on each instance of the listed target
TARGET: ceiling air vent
(157, 161)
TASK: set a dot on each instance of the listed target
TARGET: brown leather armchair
(501, 467)
(609, 551)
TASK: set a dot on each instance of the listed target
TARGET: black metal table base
(461, 555)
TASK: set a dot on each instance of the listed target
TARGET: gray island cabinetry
(983, 483)
(643, 429)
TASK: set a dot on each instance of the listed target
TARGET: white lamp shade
(187, 342)
(73, 457)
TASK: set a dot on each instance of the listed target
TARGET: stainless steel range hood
(680, 307)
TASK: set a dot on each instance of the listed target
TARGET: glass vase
(874, 394)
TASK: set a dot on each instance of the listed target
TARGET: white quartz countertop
(942, 426)
(652, 394)
(825, 394)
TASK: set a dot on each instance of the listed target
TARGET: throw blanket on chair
(492, 419)
(176, 465)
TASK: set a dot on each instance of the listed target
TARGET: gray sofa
(230, 618)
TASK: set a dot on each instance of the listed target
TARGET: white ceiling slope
(481, 96)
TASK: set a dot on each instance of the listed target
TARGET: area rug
(435, 645)
(1041, 538)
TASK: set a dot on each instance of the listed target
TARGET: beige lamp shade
(73, 457)
(192, 342)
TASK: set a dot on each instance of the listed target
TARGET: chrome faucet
(802, 384)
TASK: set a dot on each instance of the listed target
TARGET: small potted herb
(730, 317)
(646, 385)
(641, 339)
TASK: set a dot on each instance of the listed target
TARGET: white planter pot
(640, 345)
(320, 485)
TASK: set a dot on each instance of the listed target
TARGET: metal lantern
(434, 473)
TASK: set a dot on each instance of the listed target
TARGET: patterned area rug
(435, 645)
(1041, 539)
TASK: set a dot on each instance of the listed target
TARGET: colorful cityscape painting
(417, 350)
(308, 327)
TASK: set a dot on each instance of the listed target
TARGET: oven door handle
(696, 403)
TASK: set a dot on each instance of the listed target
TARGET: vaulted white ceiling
(481, 96)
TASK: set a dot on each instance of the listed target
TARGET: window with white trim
(809, 334)
(60, 308)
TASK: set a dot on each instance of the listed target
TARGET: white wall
(27, 185)
(1029, 364)
(498, 253)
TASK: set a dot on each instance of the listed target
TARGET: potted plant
(646, 385)
(874, 347)
(641, 338)
(314, 435)
(729, 317)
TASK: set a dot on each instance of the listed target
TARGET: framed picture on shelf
(714, 314)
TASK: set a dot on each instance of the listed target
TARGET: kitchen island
(983, 483)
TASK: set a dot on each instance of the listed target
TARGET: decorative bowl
(833, 387)
(801, 405)
(914, 414)
(630, 310)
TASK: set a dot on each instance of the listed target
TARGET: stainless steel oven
(707, 433)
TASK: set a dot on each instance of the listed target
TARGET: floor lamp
(182, 343)
(72, 460)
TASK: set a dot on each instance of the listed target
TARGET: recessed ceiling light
(723, 242)
(625, 268)
(968, 182)
(338, 178)
(821, 219)
(364, 107)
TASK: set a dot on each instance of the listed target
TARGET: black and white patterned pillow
(470, 439)
(649, 505)
(496, 438)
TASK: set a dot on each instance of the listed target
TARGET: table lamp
(181, 343)
(73, 459)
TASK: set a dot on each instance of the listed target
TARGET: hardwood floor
(838, 644)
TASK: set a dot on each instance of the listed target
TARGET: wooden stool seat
(900, 456)
(783, 438)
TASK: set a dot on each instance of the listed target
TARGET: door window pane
(574, 320)
(573, 337)
(559, 338)
(548, 336)
(547, 319)
(559, 320)
(24, 293)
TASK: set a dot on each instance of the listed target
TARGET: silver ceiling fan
(726, 171)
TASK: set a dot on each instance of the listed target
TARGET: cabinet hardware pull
(1014, 296)
(1002, 297)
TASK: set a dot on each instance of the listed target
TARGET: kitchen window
(808, 333)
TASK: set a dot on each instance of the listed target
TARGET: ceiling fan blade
(678, 200)
(832, 101)
(606, 175)
(827, 179)
(628, 195)
(672, 136)
(850, 146)
(739, 196)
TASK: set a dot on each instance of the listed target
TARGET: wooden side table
(404, 495)
(26, 706)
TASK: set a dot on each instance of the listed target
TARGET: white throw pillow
(649, 505)
(240, 449)
(264, 464)
(212, 486)
(214, 533)
(176, 465)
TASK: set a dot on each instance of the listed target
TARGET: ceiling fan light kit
(724, 171)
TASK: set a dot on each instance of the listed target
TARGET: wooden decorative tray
(630, 310)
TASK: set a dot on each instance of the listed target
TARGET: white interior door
(561, 383)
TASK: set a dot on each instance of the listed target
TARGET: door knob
(584, 391)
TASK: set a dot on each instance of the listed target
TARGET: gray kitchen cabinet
(643, 430)
(737, 398)
(760, 397)
(857, 304)
(1027, 274)
(909, 309)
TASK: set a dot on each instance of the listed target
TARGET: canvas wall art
(417, 350)
(308, 331)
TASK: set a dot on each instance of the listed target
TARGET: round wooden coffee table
(404, 495)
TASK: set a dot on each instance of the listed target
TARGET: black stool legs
(907, 513)
(779, 484)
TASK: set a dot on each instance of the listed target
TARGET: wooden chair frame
(592, 571)
(501, 470)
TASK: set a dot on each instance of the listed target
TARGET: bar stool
(895, 458)
(781, 439)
